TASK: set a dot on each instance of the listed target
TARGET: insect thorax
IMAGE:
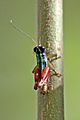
(41, 57)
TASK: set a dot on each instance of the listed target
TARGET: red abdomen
(36, 77)
(37, 74)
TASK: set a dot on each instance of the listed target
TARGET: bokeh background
(18, 100)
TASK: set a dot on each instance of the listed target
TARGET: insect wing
(45, 75)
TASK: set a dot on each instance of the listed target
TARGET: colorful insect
(43, 68)
(44, 65)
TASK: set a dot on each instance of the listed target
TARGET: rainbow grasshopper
(44, 64)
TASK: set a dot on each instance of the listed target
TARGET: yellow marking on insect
(51, 56)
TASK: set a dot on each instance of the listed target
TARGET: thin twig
(50, 35)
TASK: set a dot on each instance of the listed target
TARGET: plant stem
(50, 35)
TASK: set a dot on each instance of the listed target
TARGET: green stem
(50, 35)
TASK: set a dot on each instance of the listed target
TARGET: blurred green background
(18, 100)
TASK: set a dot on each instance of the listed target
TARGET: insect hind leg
(55, 72)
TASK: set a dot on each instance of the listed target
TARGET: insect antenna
(20, 30)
